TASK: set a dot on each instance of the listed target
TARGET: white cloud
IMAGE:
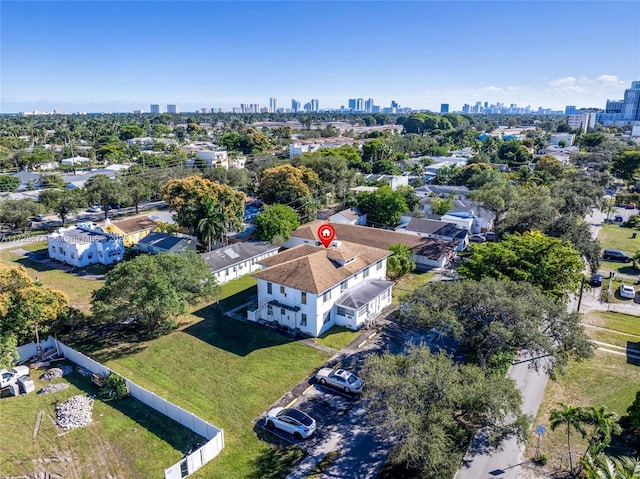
(563, 82)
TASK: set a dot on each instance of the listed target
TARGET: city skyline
(223, 54)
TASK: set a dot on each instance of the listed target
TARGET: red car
(631, 206)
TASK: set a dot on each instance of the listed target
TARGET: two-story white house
(312, 288)
(85, 244)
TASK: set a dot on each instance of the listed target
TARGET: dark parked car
(616, 255)
(596, 280)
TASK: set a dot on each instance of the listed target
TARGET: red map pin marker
(326, 233)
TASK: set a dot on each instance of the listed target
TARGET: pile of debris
(53, 388)
(56, 373)
(75, 412)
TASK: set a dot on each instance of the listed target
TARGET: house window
(281, 289)
(73, 255)
(378, 265)
(303, 297)
(365, 273)
(327, 317)
(269, 288)
(343, 286)
(303, 320)
(342, 311)
(269, 309)
(326, 296)
(89, 255)
(282, 311)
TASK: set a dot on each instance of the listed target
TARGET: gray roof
(222, 258)
(168, 243)
(434, 227)
(362, 293)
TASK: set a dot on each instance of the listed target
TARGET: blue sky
(122, 55)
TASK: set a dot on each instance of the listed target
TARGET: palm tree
(212, 225)
(604, 424)
(605, 467)
(526, 177)
(572, 417)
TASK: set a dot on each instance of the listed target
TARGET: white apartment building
(214, 158)
(85, 244)
(312, 288)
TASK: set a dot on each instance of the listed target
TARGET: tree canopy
(288, 185)
(492, 318)
(383, 206)
(432, 406)
(24, 306)
(187, 197)
(276, 222)
(154, 290)
(551, 264)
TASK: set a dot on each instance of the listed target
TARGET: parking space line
(308, 389)
(372, 335)
(293, 401)
(362, 343)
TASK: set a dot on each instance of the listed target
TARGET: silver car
(341, 379)
(291, 420)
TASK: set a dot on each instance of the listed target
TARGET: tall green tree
(440, 206)
(400, 262)
(571, 417)
(494, 319)
(551, 264)
(9, 183)
(288, 185)
(383, 207)
(102, 190)
(18, 212)
(432, 406)
(212, 225)
(154, 289)
(64, 203)
(276, 222)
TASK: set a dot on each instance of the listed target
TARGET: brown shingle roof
(379, 238)
(132, 225)
(310, 268)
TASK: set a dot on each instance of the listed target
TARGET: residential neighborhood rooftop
(312, 269)
(229, 255)
(132, 225)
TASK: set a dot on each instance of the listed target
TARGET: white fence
(190, 463)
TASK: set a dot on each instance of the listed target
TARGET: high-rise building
(360, 104)
(273, 105)
(154, 108)
(173, 109)
(352, 104)
(295, 106)
(631, 105)
(315, 104)
(444, 108)
(368, 105)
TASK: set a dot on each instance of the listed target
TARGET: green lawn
(102, 448)
(607, 379)
(625, 323)
(337, 337)
(77, 288)
(617, 237)
(227, 372)
(409, 282)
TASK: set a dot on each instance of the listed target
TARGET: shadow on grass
(39, 261)
(233, 335)
(165, 428)
(277, 462)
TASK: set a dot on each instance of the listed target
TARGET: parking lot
(343, 422)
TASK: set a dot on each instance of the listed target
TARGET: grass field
(101, 450)
(616, 237)
(77, 287)
(337, 337)
(409, 282)
(225, 371)
(607, 379)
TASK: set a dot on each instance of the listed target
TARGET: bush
(116, 387)
(626, 198)
(542, 459)
(632, 222)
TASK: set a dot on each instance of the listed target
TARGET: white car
(291, 420)
(10, 376)
(627, 291)
(341, 379)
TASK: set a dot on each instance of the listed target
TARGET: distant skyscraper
(172, 109)
(154, 108)
(315, 105)
(360, 104)
(352, 104)
(444, 108)
(631, 105)
(368, 105)
(295, 106)
(394, 104)
(273, 105)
